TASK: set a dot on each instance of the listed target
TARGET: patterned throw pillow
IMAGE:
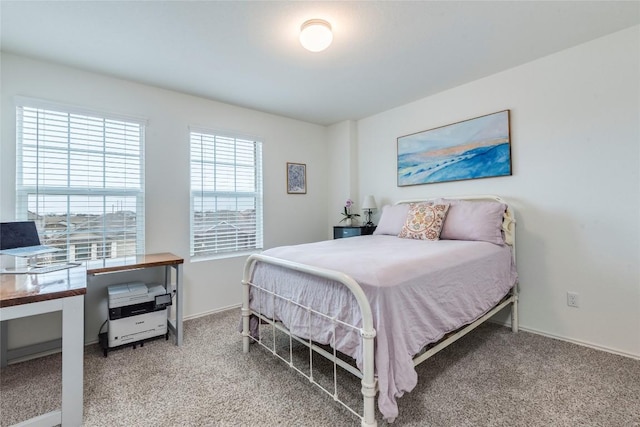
(424, 221)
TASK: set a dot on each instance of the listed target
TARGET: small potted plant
(348, 216)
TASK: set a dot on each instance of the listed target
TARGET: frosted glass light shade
(316, 35)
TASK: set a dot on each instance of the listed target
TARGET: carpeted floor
(491, 377)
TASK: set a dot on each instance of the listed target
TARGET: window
(226, 194)
(80, 177)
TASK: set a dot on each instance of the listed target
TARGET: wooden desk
(135, 262)
(25, 295)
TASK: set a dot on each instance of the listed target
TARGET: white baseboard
(582, 343)
(34, 351)
(23, 357)
(217, 310)
(506, 324)
(571, 340)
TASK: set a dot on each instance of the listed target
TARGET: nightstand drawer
(342, 232)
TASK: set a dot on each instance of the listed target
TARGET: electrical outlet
(573, 300)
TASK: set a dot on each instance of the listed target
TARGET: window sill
(214, 257)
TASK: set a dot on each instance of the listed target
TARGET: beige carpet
(491, 377)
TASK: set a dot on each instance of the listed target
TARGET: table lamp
(368, 205)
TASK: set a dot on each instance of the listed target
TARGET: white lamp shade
(369, 203)
(316, 35)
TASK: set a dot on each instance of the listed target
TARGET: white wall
(575, 130)
(342, 171)
(288, 219)
(575, 126)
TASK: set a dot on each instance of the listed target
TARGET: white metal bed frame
(367, 331)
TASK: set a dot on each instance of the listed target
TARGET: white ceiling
(384, 54)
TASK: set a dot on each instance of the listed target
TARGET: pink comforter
(418, 291)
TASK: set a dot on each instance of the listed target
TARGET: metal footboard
(366, 331)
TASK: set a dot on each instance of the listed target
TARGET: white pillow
(392, 219)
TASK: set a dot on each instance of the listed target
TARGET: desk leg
(4, 327)
(179, 286)
(175, 324)
(72, 361)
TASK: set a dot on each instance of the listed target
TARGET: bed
(390, 300)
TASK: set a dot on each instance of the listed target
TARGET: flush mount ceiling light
(316, 35)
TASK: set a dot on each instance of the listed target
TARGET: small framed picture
(296, 178)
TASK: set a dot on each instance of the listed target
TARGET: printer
(137, 311)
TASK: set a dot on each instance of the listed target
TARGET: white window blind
(226, 194)
(80, 177)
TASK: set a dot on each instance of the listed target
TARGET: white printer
(137, 311)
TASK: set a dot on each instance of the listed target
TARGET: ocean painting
(474, 148)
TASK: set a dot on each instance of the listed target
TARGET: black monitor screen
(18, 234)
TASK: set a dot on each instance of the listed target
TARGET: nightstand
(340, 232)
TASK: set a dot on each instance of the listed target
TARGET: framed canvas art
(470, 149)
(296, 178)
